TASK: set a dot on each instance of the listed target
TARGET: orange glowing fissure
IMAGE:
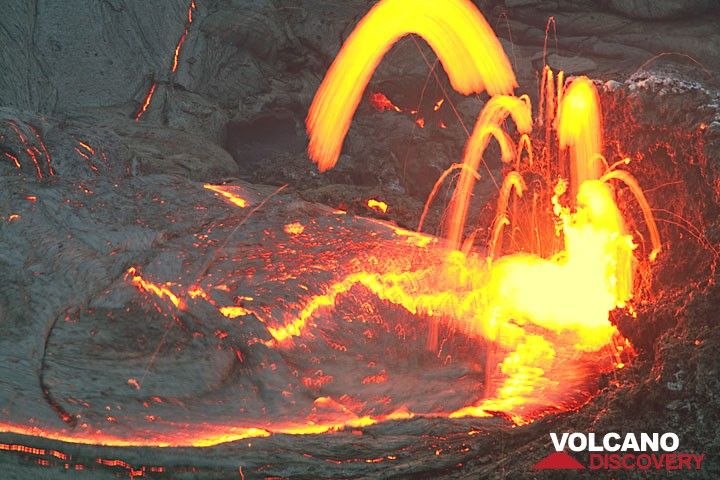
(164, 291)
(57, 458)
(161, 291)
(146, 101)
(181, 41)
(228, 194)
(175, 62)
(536, 301)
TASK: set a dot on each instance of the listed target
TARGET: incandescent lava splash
(295, 308)
(553, 293)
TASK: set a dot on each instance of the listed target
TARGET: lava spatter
(530, 315)
(566, 283)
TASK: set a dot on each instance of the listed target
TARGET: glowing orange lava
(580, 131)
(13, 159)
(234, 312)
(382, 103)
(377, 205)
(146, 102)
(536, 304)
(458, 33)
(87, 147)
(161, 291)
(294, 228)
(228, 194)
(181, 41)
(567, 289)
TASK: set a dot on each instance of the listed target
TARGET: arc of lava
(465, 44)
(524, 145)
(436, 189)
(496, 110)
(580, 130)
(634, 187)
(513, 181)
(507, 152)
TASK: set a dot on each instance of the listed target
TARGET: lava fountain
(458, 33)
(550, 299)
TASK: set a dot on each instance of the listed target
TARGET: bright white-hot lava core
(556, 291)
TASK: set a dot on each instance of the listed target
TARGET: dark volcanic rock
(660, 9)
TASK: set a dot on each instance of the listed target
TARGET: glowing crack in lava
(302, 299)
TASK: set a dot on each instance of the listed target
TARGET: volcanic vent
(219, 316)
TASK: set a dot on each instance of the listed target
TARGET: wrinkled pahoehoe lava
(177, 274)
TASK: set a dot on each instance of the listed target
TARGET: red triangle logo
(558, 461)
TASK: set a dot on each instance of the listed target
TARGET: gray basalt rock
(660, 9)
(60, 56)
